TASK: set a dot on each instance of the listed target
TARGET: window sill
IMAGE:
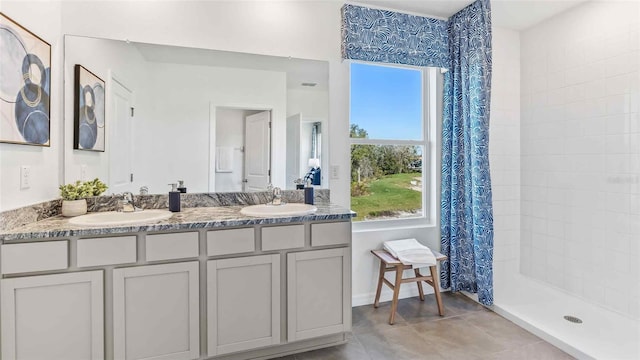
(390, 225)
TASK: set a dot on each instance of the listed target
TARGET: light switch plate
(335, 172)
(25, 177)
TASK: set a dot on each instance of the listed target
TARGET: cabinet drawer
(106, 251)
(42, 256)
(234, 241)
(172, 246)
(282, 237)
(337, 233)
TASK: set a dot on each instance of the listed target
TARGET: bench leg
(396, 292)
(420, 291)
(376, 303)
(436, 289)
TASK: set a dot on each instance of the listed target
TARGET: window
(389, 136)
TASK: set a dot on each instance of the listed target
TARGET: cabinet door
(53, 317)
(156, 312)
(318, 293)
(243, 310)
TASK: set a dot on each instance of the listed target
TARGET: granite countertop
(188, 218)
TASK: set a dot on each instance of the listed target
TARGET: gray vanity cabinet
(156, 312)
(318, 293)
(53, 317)
(243, 303)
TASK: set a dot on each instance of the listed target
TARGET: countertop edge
(333, 213)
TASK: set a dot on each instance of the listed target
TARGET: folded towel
(410, 252)
(224, 159)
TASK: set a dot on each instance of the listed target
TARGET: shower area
(565, 159)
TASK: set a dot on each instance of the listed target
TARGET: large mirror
(220, 121)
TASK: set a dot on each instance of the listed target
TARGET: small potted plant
(74, 196)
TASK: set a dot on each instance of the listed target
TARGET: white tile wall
(580, 153)
(504, 152)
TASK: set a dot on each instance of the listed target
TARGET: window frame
(428, 142)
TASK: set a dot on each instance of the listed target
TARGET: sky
(386, 101)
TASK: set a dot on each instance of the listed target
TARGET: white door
(156, 312)
(53, 317)
(257, 139)
(120, 139)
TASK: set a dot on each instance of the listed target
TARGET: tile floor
(467, 331)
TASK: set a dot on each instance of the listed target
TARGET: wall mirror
(220, 121)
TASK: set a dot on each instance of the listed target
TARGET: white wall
(504, 152)
(309, 103)
(43, 19)
(581, 153)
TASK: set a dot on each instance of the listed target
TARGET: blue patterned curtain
(466, 205)
(394, 38)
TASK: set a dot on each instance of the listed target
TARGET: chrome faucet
(277, 196)
(127, 204)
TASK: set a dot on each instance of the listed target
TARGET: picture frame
(89, 111)
(25, 85)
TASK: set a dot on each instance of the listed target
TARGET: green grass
(389, 194)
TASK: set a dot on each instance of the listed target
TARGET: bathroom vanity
(206, 283)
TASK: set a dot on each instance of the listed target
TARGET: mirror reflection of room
(184, 113)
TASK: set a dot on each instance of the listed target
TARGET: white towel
(224, 159)
(410, 252)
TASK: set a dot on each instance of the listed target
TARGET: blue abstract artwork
(25, 85)
(89, 112)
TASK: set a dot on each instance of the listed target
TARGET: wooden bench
(390, 263)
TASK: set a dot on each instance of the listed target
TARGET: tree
(362, 166)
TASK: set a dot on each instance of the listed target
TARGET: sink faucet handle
(128, 196)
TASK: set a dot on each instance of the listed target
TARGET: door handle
(245, 180)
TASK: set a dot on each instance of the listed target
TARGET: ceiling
(511, 14)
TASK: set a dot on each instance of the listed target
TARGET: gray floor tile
(537, 351)
(401, 343)
(367, 318)
(457, 339)
(502, 330)
(352, 350)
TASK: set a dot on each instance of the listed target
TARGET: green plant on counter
(80, 190)
(98, 186)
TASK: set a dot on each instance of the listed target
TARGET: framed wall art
(25, 85)
(89, 115)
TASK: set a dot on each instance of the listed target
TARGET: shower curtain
(466, 221)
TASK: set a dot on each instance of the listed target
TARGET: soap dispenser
(174, 198)
(181, 187)
(308, 193)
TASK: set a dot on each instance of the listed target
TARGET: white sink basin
(120, 218)
(289, 209)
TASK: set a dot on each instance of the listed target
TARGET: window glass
(386, 101)
(386, 181)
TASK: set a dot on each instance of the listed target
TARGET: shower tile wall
(580, 153)
(504, 151)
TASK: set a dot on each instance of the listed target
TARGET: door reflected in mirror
(217, 120)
